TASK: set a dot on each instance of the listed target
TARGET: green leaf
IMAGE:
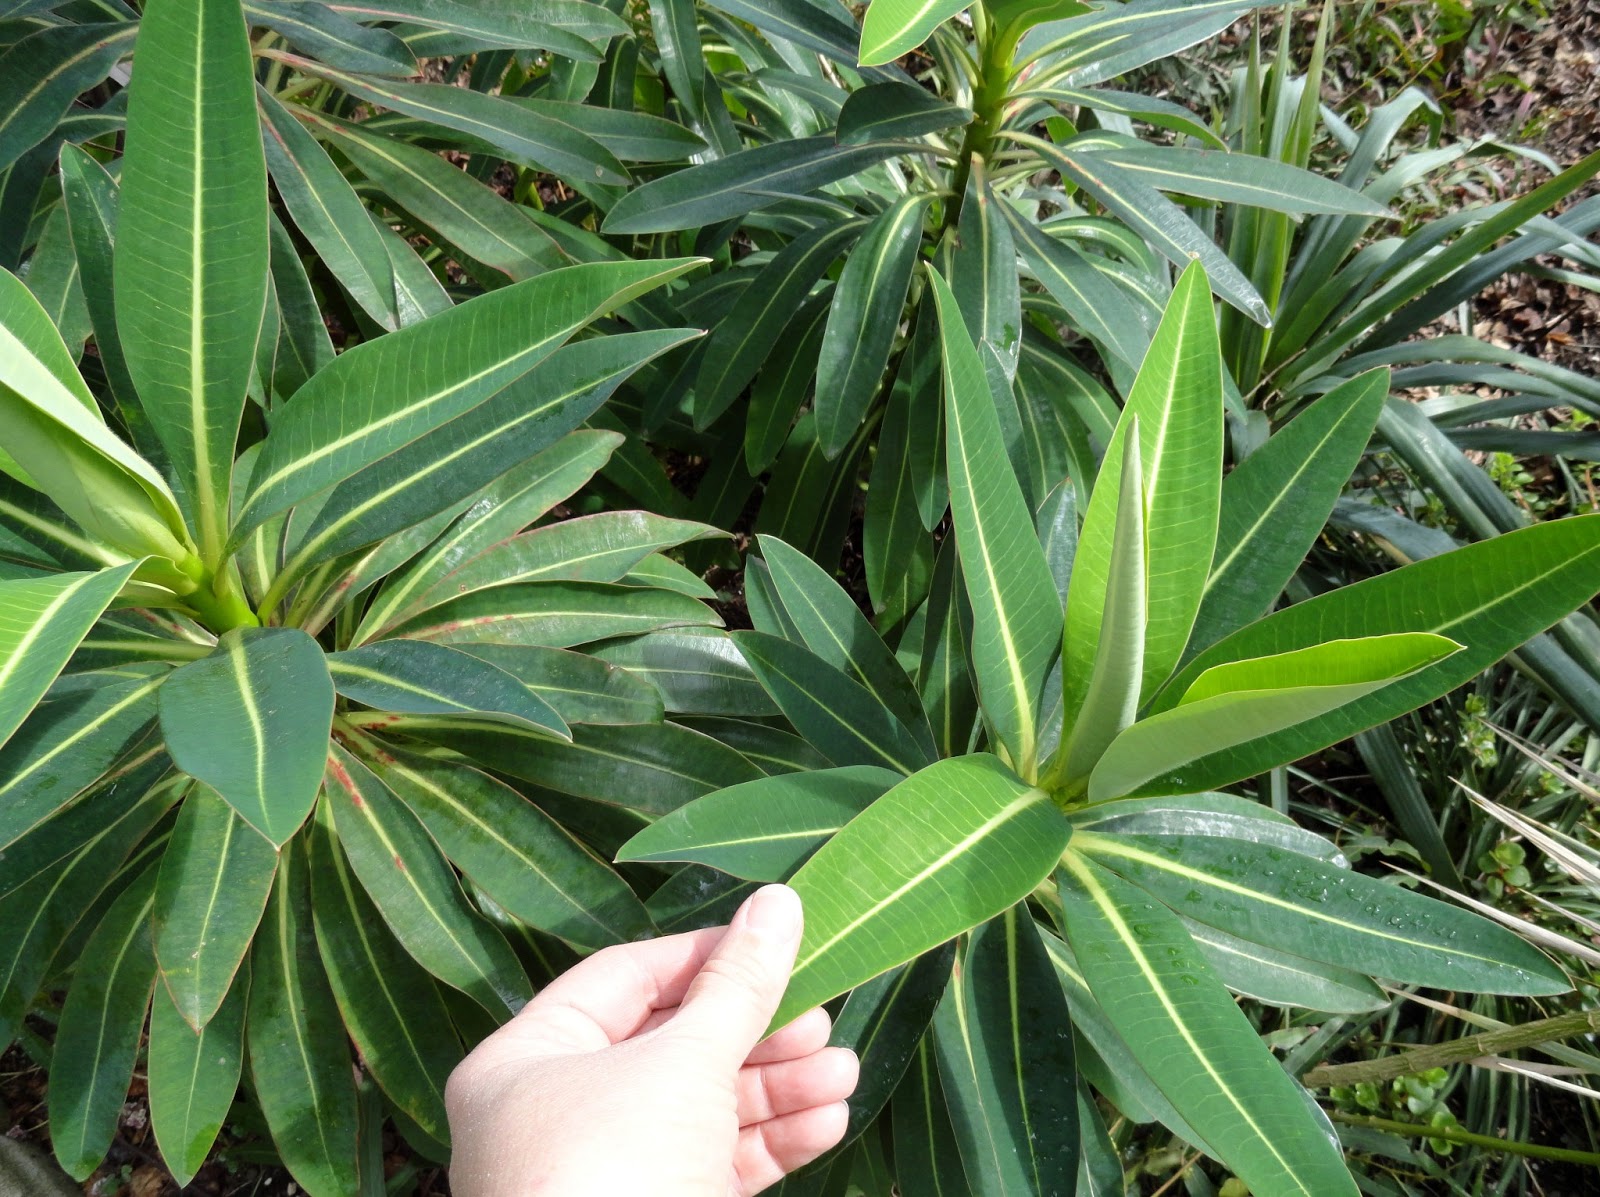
(1238, 179)
(98, 1036)
(419, 678)
(215, 878)
(927, 1160)
(741, 183)
(417, 891)
(398, 387)
(525, 138)
(983, 272)
(944, 674)
(883, 1022)
(1185, 1030)
(555, 614)
(193, 1076)
(105, 804)
(512, 501)
(784, 382)
(65, 746)
(1111, 694)
(389, 1005)
(43, 73)
(1236, 703)
(1098, 306)
(631, 136)
(319, 30)
(898, 554)
(581, 688)
(943, 851)
(328, 213)
(1275, 501)
(252, 721)
(57, 282)
(473, 218)
(191, 271)
(895, 111)
(590, 548)
(1489, 596)
(517, 854)
(752, 336)
(1282, 978)
(837, 715)
(561, 26)
(863, 320)
(299, 1056)
(43, 622)
(48, 418)
(1226, 815)
(1177, 403)
(1286, 901)
(652, 768)
(90, 199)
(1015, 609)
(1004, 1044)
(833, 627)
(762, 830)
(697, 671)
(893, 27)
(1155, 218)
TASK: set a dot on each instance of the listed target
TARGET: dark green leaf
(555, 614)
(762, 830)
(895, 111)
(193, 1077)
(419, 678)
(252, 720)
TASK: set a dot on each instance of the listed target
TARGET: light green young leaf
(1242, 701)
(191, 266)
(1490, 596)
(1111, 698)
(42, 622)
(1177, 401)
(1015, 609)
(893, 27)
(943, 851)
(48, 418)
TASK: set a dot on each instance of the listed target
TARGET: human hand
(642, 1071)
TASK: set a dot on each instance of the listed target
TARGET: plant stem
(1440, 1055)
(998, 47)
(1454, 1134)
(220, 603)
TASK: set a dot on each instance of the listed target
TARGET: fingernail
(773, 911)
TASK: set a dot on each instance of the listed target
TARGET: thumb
(738, 989)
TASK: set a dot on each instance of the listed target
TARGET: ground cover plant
(378, 382)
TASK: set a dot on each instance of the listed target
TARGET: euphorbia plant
(1036, 773)
(207, 641)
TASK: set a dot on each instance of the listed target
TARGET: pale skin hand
(643, 1070)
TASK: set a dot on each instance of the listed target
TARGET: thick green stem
(1454, 1134)
(1457, 1051)
(997, 48)
(220, 603)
